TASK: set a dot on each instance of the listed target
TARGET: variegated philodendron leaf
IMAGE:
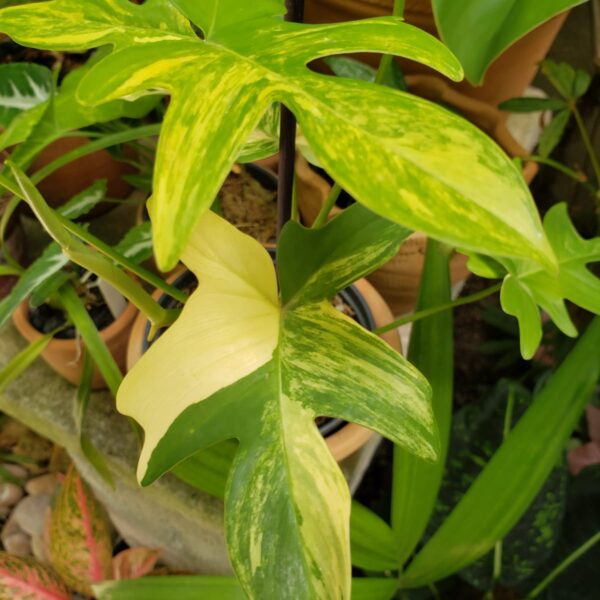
(405, 158)
(22, 86)
(240, 363)
(527, 287)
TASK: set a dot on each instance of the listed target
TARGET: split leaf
(237, 365)
(435, 172)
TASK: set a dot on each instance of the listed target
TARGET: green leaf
(216, 588)
(415, 485)
(19, 363)
(372, 541)
(80, 548)
(168, 588)
(527, 286)
(82, 203)
(477, 432)
(94, 343)
(570, 83)
(43, 269)
(554, 132)
(510, 481)
(498, 26)
(526, 105)
(136, 245)
(26, 579)
(22, 86)
(350, 68)
(261, 373)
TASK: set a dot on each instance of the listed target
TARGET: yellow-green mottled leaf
(237, 365)
(80, 548)
(220, 86)
(25, 579)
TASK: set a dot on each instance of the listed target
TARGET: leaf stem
(564, 565)
(577, 176)
(587, 142)
(428, 312)
(328, 205)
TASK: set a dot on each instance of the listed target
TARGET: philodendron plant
(245, 359)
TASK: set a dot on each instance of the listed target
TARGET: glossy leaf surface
(415, 485)
(80, 547)
(435, 172)
(527, 286)
(25, 579)
(498, 25)
(263, 378)
(510, 481)
(22, 86)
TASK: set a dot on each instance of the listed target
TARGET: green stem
(109, 252)
(323, 215)
(577, 176)
(587, 142)
(428, 312)
(80, 254)
(564, 565)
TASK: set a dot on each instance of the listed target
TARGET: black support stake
(287, 143)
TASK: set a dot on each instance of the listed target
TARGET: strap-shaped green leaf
(431, 171)
(237, 365)
(415, 485)
(514, 475)
(498, 25)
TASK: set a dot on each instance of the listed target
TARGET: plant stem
(428, 312)
(564, 565)
(287, 144)
(323, 215)
(577, 176)
(587, 142)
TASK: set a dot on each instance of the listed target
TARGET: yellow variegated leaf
(236, 365)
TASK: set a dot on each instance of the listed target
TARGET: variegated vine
(425, 168)
(240, 364)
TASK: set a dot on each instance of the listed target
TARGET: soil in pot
(248, 200)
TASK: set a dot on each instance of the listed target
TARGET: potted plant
(499, 65)
(251, 361)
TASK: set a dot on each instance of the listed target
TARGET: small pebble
(10, 494)
(39, 549)
(30, 513)
(10, 527)
(4, 511)
(18, 543)
(45, 484)
(15, 470)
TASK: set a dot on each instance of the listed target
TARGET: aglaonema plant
(246, 360)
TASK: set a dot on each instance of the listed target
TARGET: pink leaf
(80, 545)
(25, 579)
(593, 419)
(134, 563)
(584, 456)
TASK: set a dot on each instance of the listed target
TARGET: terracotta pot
(398, 281)
(65, 356)
(351, 437)
(506, 78)
(75, 177)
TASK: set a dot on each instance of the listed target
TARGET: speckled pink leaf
(80, 544)
(134, 563)
(584, 456)
(25, 579)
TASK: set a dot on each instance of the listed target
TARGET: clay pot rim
(21, 320)
(351, 437)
